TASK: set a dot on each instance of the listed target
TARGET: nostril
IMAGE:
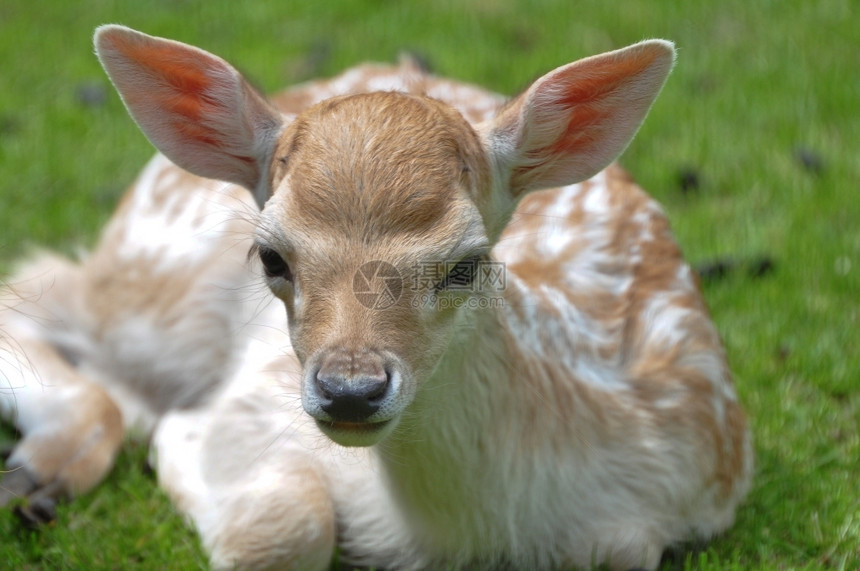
(325, 388)
(377, 388)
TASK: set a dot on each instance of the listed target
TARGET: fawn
(484, 348)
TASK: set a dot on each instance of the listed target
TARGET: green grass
(755, 82)
(126, 523)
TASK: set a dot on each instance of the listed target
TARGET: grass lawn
(753, 148)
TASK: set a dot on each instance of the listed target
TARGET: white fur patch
(176, 225)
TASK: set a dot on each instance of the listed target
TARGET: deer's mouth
(356, 433)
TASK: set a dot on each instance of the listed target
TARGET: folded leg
(243, 471)
(70, 429)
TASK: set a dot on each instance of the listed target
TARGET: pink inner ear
(193, 106)
(185, 77)
(582, 130)
(589, 98)
(196, 132)
(188, 106)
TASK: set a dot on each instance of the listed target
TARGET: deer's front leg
(70, 429)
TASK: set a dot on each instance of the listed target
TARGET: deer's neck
(476, 439)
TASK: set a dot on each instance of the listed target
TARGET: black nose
(351, 389)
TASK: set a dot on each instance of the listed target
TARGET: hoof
(16, 483)
(35, 506)
(6, 449)
(37, 512)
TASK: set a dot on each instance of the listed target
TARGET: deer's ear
(574, 121)
(193, 106)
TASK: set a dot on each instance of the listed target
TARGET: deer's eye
(274, 265)
(461, 275)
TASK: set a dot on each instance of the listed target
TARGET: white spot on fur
(557, 240)
(664, 321)
(564, 203)
(596, 200)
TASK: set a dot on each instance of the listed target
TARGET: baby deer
(490, 321)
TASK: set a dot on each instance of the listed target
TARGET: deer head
(359, 190)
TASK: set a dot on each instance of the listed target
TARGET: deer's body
(583, 413)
